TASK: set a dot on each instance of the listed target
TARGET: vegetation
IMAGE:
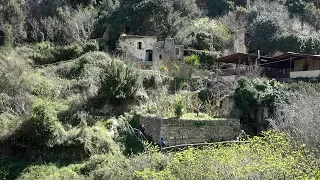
(68, 95)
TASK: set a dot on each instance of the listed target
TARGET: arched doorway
(149, 55)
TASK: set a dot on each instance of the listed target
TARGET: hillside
(76, 76)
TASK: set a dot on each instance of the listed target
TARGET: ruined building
(148, 49)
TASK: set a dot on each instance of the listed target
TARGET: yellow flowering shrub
(272, 156)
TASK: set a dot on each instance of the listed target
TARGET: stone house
(148, 49)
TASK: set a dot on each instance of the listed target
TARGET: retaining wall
(179, 131)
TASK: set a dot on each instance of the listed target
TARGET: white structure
(306, 74)
(148, 49)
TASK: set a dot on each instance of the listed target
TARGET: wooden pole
(239, 62)
(290, 65)
(313, 64)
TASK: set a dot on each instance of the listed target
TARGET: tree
(295, 7)
(12, 14)
(161, 18)
(262, 35)
(218, 7)
(204, 34)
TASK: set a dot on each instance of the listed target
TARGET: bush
(67, 52)
(193, 60)
(104, 80)
(8, 125)
(252, 94)
(48, 172)
(119, 85)
(43, 127)
(179, 106)
(44, 87)
(258, 159)
(262, 35)
(91, 46)
(46, 52)
(118, 166)
(205, 34)
(219, 7)
(152, 79)
(207, 58)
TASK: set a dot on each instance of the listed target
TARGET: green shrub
(11, 167)
(207, 58)
(43, 53)
(43, 127)
(119, 85)
(272, 156)
(46, 52)
(193, 60)
(152, 79)
(252, 94)
(68, 52)
(179, 106)
(49, 172)
(91, 46)
(93, 140)
(44, 87)
(8, 39)
(118, 166)
(8, 124)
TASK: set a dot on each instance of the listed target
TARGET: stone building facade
(148, 49)
(178, 131)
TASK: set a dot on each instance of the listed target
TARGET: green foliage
(204, 34)
(46, 52)
(175, 70)
(12, 19)
(161, 18)
(252, 94)
(272, 156)
(8, 37)
(8, 123)
(261, 35)
(241, 2)
(48, 172)
(179, 107)
(117, 166)
(295, 7)
(219, 7)
(193, 60)
(44, 131)
(43, 126)
(11, 167)
(119, 84)
(207, 58)
(15, 83)
(105, 80)
(152, 79)
(44, 87)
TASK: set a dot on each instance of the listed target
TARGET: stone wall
(178, 131)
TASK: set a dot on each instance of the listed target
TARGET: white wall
(297, 74)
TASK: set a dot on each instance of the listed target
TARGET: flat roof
(234, 58)
(136, 36)
(294, 55)
(282, 59)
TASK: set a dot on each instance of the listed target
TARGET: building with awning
(287, 65)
